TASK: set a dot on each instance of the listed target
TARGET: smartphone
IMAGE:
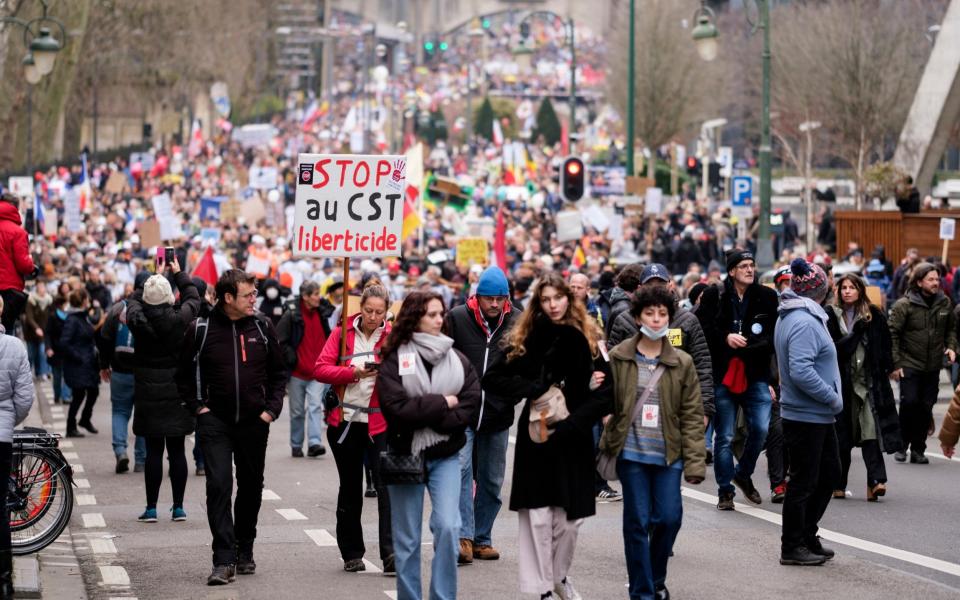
(371, 366)
(161, 258)
(168, 255)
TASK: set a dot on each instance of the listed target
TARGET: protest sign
(473, 251)
(145, 159)
(169, 223)
(569, 225)
(20, 186)
(229, 210)
(116, 183)
(258, 266)
(349, 205)
(607, 181)
(653, 203)
(71, 211)
(210, 236)
(263, 178)
(149, 234)
(595, 217)
(50, 223)
(252, 211)
(637, 186)
(210, 207)
(254, 135)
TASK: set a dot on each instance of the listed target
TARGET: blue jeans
(477, 513)
(406, 508)
(652, 513)
(121, 403)
(37, 354)
(708, 435)
(755, 403)
(61, 391)
(306, 401)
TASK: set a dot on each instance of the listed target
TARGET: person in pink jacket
(356, 428)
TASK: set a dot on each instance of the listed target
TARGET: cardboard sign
(637, 186)
(210, 236)
(349, 206)
(653, 202)
(472, 251)
(230, 210)
(21, 186)
(948, 228)
(149, 234)
(263, 178)
(50, 223)
(145, 159)
(116, 183)
(252, 211)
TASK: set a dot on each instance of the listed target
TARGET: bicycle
(40, 494)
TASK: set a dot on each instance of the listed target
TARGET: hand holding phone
(371, 366)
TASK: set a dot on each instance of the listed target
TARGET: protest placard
(71, 211)
(653, 202)
(145, 159)
(169, 223)
(263, 178)
(50, 223)
(210, 207)
(210, 236)
(229, 210)
(20, 186)
(569, 225)
(149, 234)
(116, 183)
(252, 211)
(349, 206)
(473, 251)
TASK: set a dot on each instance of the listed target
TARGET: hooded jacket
(15, 260)
(810, 387)
(16, 385)
(920, 333)
(612, 302)
(36, 316)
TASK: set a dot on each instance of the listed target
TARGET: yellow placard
(472, 251)
(676, 337)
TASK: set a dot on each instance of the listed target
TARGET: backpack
(123, 340)
(200, 338)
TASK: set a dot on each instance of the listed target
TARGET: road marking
(83, 484)
(71, 455)
(66, 444)
(78, 468)
(291, 514)
(321, 537)
(371, 568)
(102, 546)
(840, 538)
(93, 520)
(269, 495)
(86, 499)
(114, 575)
(392, 594)
(122, 598)
(60, 564)
(512, 439)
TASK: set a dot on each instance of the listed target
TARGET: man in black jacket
(477, 328)
(738, 322)
(236, 359)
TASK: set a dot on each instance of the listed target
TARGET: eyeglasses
(249, 296)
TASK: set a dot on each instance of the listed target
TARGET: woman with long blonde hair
(553, 344)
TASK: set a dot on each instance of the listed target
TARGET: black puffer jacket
(290, 328)
(692, 341)
(78, 350)
(158, 331)
(469, 337)
(612, 302)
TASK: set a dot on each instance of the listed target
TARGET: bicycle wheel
(40, 500)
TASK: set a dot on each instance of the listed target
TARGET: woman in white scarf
(429, 393)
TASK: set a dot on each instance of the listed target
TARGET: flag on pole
(579, 258)
(313, 112)
(497, 133)
(196, 140)
(84, 190)
(500, 241)
(206, 269)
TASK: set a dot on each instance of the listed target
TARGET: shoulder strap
(654, 380)
(202, 322)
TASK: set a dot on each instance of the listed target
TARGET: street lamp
(44, 48)
(30, 70)
(705, 36)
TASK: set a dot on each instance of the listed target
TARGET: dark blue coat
(79, 352)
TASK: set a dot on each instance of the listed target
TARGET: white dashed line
(321, 537)
(60, 564)
(291, 514)
(78, 468)
(93, 520)
(102, 546)
(269, 495)
(83, 484)
(86, 499)
(392, 594)
(371, 568)
(66, 444)
(71, 455)
(112, 575)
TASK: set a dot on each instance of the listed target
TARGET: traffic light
(444, 46)
(428, 47)
(572, 177)
(524, 30)
(694, 168)
(485, 23)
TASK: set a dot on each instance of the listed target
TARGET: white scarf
(445, 379)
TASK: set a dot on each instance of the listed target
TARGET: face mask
(272, 293)
(654, 335)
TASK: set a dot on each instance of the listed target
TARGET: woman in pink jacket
(356, 428)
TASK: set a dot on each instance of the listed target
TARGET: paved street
(903, 547)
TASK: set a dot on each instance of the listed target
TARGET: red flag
(500, 241)
(207, 269)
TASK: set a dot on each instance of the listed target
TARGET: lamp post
(705, 36)
(631, 70)
(476, 33)
(523, 52)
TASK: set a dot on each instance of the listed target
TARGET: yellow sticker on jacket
(676, 337)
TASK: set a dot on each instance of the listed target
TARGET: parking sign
(742, 190)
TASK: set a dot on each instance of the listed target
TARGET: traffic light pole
(765, 258)
(631, 68)
(573, 86)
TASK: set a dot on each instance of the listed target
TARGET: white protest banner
(21, 186)
(263, 178)
(163, 209)
(569, 225)
(349, 205)
(595, 217)
(948, 228)
(50, 223)
(71, 211)
(654, 201)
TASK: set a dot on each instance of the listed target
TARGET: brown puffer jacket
(950, 429)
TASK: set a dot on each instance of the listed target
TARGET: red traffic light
(572, 183)
(573, 167)
(691, 162)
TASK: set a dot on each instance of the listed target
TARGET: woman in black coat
(554, 342)
(159, 416)
(869, 417)
(77, 348)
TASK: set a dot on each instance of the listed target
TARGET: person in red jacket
(356, 427)
(15, 261)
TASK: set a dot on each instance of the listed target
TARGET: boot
(6, 575)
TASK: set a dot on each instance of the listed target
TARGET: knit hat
(737, 256)
(157, 291)
(808, 280)
(141, 279)
(493, 283)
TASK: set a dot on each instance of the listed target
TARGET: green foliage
(500, 109)
(483, 120)
(262, 109)
(548, 125)
(880, 180)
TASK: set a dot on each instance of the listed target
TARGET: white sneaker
(565, 590)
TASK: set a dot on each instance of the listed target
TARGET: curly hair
(653, 295)
(515, 341)
(408, 320)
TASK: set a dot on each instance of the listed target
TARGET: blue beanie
(493, 283)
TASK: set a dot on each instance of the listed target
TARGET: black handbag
(401, 469)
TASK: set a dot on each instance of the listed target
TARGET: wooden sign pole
(344, 308)
(946, 246)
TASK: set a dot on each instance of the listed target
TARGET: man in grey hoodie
(810, 398)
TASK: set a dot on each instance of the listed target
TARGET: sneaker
(801, 556)
(918, 458)
(354, 565)
(465, 556)
(390, 566)
(875, 492)
(89, 426)
(779, 493)
(750, 492)
(245, 563)
(661, 593)
(178, 514)
(608, 494)
(296, 452)
(148, 516)
(565, 590)
(485, 552)
(899, 456)
(315, 451)
(201, 472)
(138, 467)
(75, 433)
(840, 494)
(222, 575)
(123, 465)
(814, 545)
(725, 502)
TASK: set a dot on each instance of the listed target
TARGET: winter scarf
(445, 379)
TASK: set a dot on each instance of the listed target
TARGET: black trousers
(79, 394)
(153, 469)
(349, 456)
(814, 472)
(14, 302)
(6, 451)
(872, 455)
(776, 451)
(224, 446)
(918, 394)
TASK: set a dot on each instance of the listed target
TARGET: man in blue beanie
(477, 328)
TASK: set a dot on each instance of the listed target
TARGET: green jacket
(681, 412)
(920, 334)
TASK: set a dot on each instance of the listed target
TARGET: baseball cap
(654, 271)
